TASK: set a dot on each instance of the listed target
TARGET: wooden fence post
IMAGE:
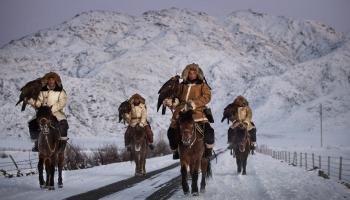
(288, 157)
(340, 166)
(30, 162)
(306, 161)
(14, 162)
(329, 166)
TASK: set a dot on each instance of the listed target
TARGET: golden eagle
(229, 112)
(170, 89)
(125, 107)
(30, 90)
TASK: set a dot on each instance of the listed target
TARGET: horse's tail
(132, 156)
(209, 171)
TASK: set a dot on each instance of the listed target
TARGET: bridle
(45, 125)
(195, 129)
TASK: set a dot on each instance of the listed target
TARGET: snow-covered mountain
(285, 67)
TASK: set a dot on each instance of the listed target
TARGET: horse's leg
(52, 173)
(204, 168)
(60, 166)
(47, 170)
(194, 174)
(144, 163)
(138, 171)
(185, 187)
(50, 165)
(238, 161)
(40, 170)
(136, 163)
(244, 163)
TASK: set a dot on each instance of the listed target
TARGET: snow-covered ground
(266, 178)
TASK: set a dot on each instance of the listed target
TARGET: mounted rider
(137, 116)
(194, 95)
(242, 113)
(52, 94)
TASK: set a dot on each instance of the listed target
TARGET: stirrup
(151, 146)
(35, 149)
(208, 153)
(176, 154)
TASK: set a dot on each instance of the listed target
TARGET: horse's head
(45, 119)
(48, 136)
(242, 135)
(187, 129)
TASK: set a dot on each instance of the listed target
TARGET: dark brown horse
(139, 149)
(50, 152)
(241, 146)
(191, 151)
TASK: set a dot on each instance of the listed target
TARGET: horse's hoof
(195, 194)
(51, 188)
(244, 173)
(60, 185)
(138, 174)
(186, 193)
(42, 186)
(202, 190)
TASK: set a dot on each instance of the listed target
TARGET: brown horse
(191, 151)
(50, 152)
(139, 149)
(241, 146)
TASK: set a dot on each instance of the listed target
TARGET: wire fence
(328, 166)
(77, 158)
(19, 168)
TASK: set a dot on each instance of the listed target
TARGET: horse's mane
(45, 111)
(186, 116)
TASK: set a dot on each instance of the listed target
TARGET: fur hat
(240, 101)
(137, 96)
(194, 67)
(53, 75)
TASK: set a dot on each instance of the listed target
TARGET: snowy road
(266, 179)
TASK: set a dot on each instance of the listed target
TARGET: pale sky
(19, 18)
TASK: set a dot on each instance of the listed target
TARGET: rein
(196, 129)
(46, 133)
